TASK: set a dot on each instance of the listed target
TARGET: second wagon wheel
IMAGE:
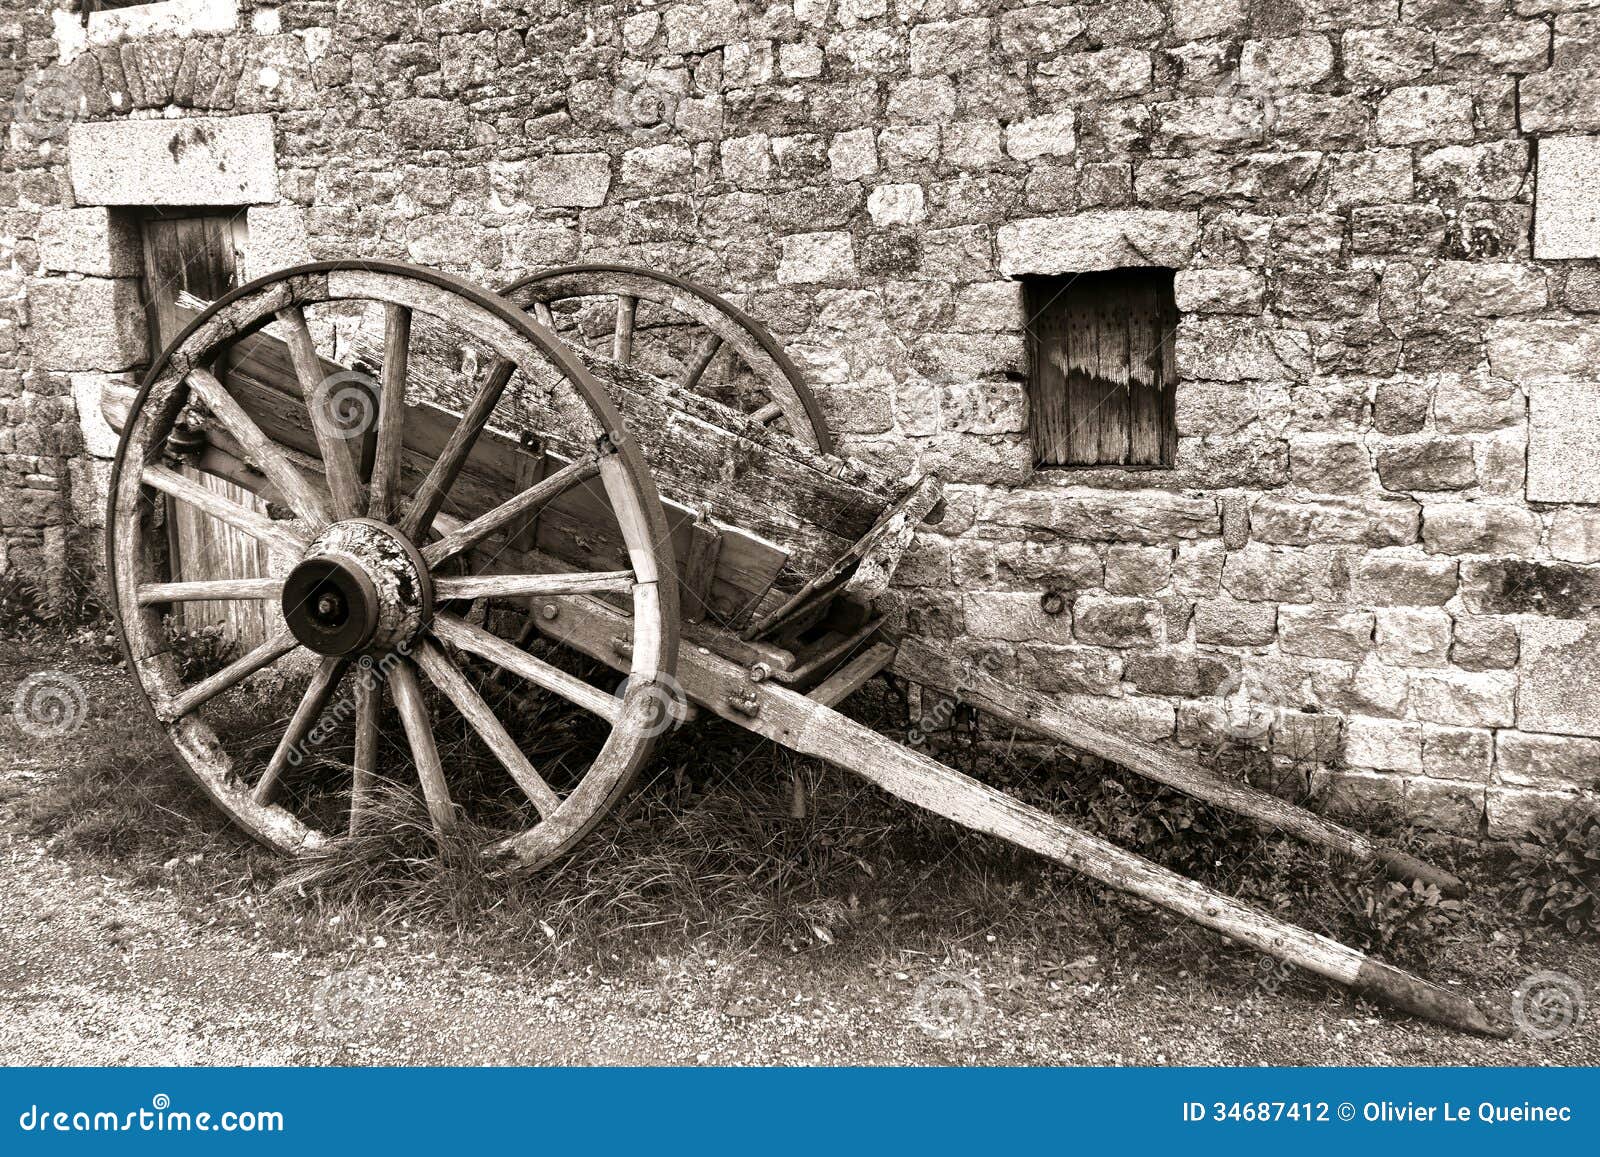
(704, 324)
(374, 540)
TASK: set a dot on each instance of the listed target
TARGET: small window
(1101, 383)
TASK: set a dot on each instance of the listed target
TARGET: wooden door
(1102, 384)
(198, 253)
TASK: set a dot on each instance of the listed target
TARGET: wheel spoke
(259, 656)
(391, 413)
(431, 494)
(702, 362)
(260, 451)
(288, 751)
(424, 752)
(219, 589)
(470, 534)
(459, 633)
(336, 450)
(767, 414)
(257, 526)
(446, 676)
(622, 336)
(369, 707)
(506, 586)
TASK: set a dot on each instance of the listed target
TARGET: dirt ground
(102, 964)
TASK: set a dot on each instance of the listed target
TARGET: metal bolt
(760, 672)
(549, 611)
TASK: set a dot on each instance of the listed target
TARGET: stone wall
(1375, 557)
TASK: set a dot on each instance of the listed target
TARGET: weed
(1554, 873)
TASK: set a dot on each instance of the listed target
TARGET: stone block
(1137, 570)
(1050, 135)
(1257, 574)
(99, 439)
(1427, 465)
(1465, 698)
(1305, 522)
(275, 238)
(1558, 762)
(94, 241)
(1445, 806)
(1566, 220)
(1227, 349)
(1114, 621)
(1559, 669)
(1484, 644)
(1384, 580)
(93, 324)
(1479, 528)
(1156, 517)
(1512, 813)
(1542, 351)
(1425, 114)
(1181, 671)
(1413, 636)
(1219, 291)
(567, 181)
(1575, 534)
(1563, 442)
(1325, 632)
(1383, 744)
(1103, 239)
(1560, 100)
(810, 258)
(195, 161)
(1235, 622)
(950, 45)
(1017, 616)
(1528, 587)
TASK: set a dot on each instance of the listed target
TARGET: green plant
(1400, 923)
(1554, 876)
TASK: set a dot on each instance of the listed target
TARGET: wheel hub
(361, 587)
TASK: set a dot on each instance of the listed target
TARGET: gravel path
(98, 969)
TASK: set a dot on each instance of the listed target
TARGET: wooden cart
(694, 533)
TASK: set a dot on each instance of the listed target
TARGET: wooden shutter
(1101, 384)
(198, 254)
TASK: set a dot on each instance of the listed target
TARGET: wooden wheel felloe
(376, 547)
(787, 396)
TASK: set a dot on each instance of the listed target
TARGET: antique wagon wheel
(726, 324)
(369, 571)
